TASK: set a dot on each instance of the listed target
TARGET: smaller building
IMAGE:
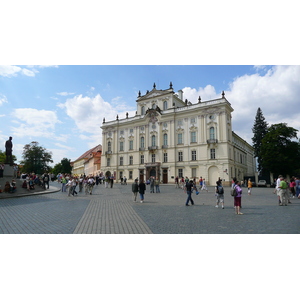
(88, 163)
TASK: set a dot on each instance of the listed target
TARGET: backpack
(233, 192)
(220, 190)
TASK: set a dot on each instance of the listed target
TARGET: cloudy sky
(65, 68)
(62, 107)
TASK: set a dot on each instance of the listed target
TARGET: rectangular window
(180, 173)
(142, 159)
(131, 160)
(153, 158)
(142, 143)
(179, 122)
(194, 157)
(130, 145)
(131, 130)
(121, 146)
(212, 153)
(194, 172)
(108, 162)
(165, 139)
(179, 138)
(180, 156)
(122, 132)
(193, 137)
(121, 161)
(130, 174)
(165, 157)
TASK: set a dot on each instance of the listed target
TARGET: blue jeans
(141, 196)
(189, 198)
(157, 189)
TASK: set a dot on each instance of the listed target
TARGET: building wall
(233, 156)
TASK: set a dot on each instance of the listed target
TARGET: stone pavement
(113, 211)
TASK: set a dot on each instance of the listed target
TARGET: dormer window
(142, 110)
(165, 105)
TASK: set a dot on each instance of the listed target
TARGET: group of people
(31, 180)
(9, 187)
(181, 182)
(153, 182)
(286, 190)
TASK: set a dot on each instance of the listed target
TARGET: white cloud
(3, 99)
(206, 93)
(276, 93)
(65, 94)
(88, 112)
(9, 71)
(34, 123)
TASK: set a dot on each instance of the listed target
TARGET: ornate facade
(169, 137)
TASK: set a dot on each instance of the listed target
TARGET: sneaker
(142, 201)
(222, 207)
(240, 213)
(217, 206)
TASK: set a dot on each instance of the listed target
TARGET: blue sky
(62, 107)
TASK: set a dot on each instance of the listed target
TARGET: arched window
(153, 141)
(165, 105)
(109, 146)
(212, 133)
(165, 139)
(143, 110)
(142, 142)
(153, 106)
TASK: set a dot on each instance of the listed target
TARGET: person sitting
(7, 187)
(13, 186)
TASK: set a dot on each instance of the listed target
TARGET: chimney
(180, 94)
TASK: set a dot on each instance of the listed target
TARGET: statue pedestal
(8, 171)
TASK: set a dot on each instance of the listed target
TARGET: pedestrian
(156, 182)
(238, 198)
(106, 180)
(151, 184)
(189, 187)
(249, 186)
(142, 190)
(80, 183)
(204, 187)
(46, 179)
(200, 183)
(277, 189)
(283, 191)
(297, 187)
(220, 194)
(125, 180)
(111, 181)
(182, 183)
(135, 189)
(91, 183)
(292, 186)
(177, 182)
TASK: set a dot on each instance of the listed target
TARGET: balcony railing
(142, 149)
(108, 152)
(164, 146)
(212, 141)
(152, 147)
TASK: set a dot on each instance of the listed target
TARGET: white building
(169, 137)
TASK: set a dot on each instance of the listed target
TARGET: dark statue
(8, 151)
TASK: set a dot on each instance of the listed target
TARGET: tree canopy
(35, 158)
(280, 151)
(63, 167)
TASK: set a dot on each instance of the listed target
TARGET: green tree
(36, 158)
(63, 167)
(259, 129)
(3, 157)
(280, 153)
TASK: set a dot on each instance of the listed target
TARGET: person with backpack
(189, 187)
(220, 194)
(237, 194)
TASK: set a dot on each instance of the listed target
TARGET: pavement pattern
(113, 211)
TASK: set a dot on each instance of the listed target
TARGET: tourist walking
(151, 184)
(200, 183)
(135, 189)
(156, 183)
(142, 190)
(189, 187)
(220, 194)
(91, 183)
(238, 198)
(283, 192)
(177, 182)
(204, 187)
(249, 187)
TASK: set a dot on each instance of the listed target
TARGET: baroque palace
(170, 137)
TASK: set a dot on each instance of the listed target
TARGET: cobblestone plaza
(112, 211)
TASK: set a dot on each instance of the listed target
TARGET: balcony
(164, 146)
(152, 147)
(142, 149)
(108, 152)
(212, 141)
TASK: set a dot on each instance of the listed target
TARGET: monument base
(8, 171)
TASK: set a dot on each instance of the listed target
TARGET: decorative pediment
(154, 93)
(193, 128)
(179, 130)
